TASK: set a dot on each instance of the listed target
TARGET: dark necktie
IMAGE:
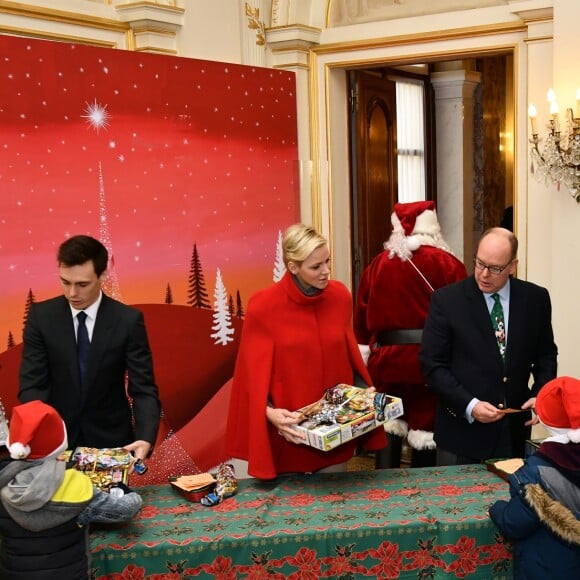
(498, 322)
(83, 342)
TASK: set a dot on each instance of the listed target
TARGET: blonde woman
(297, 341)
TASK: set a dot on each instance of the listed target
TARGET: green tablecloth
(398, 523)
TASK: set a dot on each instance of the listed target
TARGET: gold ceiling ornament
(254, 23)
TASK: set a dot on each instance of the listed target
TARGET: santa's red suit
(392, 302)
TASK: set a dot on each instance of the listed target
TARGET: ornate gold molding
(316, 187)
(45, 35)
(144, 26)
(275, 12)
(62, 16)
(422, 38)
(254, 23)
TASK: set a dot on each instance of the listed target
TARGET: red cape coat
(392, 296)
(293, 347)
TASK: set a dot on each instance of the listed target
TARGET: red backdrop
(153, 155)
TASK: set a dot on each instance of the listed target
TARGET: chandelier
(556, 157)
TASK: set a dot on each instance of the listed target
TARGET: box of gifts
(105, 467)
(344, 413)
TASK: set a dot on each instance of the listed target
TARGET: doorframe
(329, 123)
(372, 98)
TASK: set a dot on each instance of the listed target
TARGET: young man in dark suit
(480, 372)
(91, 394)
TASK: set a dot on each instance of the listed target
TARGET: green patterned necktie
(497, 320)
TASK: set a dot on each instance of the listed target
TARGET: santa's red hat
(409, 212)
(414, 224)
(558, 405)
(36, 431)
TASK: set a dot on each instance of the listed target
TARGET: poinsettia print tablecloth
(394, 523)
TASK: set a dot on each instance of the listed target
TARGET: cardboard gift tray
(344, 413)
(504, 467)
(193, 487)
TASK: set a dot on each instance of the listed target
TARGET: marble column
(454, 110)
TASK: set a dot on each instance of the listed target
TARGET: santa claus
(391, 307)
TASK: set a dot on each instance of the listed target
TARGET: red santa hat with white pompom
(558, 405)
(414, 224)
(36, 431)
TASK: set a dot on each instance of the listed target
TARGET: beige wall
(211, 31)
(540, 33)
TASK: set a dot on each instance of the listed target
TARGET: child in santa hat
(542, 517)
(45, 508)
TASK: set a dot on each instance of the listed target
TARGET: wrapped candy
(106, 468)
(343, 413)
(226, 485)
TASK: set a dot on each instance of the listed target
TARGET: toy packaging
(346, 412)
(105, 467)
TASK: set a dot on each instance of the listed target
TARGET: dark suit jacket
(97, 413)
(460, 359)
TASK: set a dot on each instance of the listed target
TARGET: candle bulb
(577, 114)
(554, 112)
(551, 96)
(532, 113)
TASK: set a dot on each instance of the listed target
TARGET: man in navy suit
(484, 398)
(95, 406)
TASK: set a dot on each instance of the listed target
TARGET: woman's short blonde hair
(299, 242)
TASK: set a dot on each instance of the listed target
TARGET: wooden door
(373, 164)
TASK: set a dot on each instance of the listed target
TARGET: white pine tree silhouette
(279, 267)
(3, 425)
(221, 314)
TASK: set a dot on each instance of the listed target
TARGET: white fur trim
(574, 435)
(426, 232)
(413, 243)
(365, 351)
(397, 427)
(421, 439)
(426, 223)
(19, 451)
(397, 242)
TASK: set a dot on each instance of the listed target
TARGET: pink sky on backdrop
(151, 154)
